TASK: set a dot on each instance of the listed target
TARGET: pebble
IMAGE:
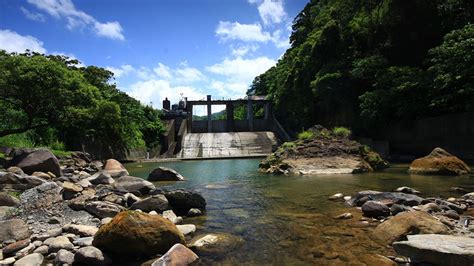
(194, 212)
(336, 196)
(346, 198)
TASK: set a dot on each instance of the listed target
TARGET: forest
(367, 64)
(52, 101)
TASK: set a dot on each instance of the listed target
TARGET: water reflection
(287, 220)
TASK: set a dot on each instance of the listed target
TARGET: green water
(287, 220)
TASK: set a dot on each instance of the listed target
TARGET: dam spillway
(227, 144)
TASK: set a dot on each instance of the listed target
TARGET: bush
(341, 132)
(306, 135)
(22, 140)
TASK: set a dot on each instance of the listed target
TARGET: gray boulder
(165, 174)
(57, 243)
(34, 259)
(102, 177)
(438, 249)
(20, 182)
(134, 185)
(13, 229)
(157, 203)
(40, 161)
(41, 196)
(375, 209)
(64, 257)
(103, 209)
(91, 256)
(386, 197)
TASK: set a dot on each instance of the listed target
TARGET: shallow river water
(288, 220)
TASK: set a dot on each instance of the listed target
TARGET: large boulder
(134, 185)
(19, 182)
(439, 162)
(177, 255)
(13, 229)
(403, 224)
(183, 200)
(115, 168)
(435, 249)
(375, 209)
(41, 196)
(133, 234)
(165, 174)
(39, 161)
(156, 203)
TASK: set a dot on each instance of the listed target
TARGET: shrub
(341, 132)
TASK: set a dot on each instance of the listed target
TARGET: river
(288, 220)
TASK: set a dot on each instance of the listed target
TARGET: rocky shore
(76, 211)
(322, 153)
(431, 230)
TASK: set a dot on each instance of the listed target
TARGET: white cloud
(77, 19)
(188, 75)
(33, 15)
(243, 50)
(121, 71)
(111, 30)
(272, 11)
(162, 71)
(240, 69)
(156, 90)
(239, 74)
(11, 41)
(244, 32)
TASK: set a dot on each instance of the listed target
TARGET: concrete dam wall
(227, 144)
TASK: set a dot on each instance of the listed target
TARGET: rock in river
(133, 234)
(375, 209)
(165, 174)
(183, 200)
(218, 243)
(115, 168)
(412, 222)
(439, 162)
(438, 249)
(157, 203)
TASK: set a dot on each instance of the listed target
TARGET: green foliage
(64, 107)
(341, 132)
(366, 64)
(306, 135)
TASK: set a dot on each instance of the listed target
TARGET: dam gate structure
(221, 134)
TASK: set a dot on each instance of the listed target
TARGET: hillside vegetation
(51, 101)
(365, 64)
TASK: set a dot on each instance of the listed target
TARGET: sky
(158, 48)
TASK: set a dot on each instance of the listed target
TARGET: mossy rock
(373, 158)
(134, 235)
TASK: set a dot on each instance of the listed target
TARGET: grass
(341, 132)
(15, 194)
(306, 135)
(24, 140)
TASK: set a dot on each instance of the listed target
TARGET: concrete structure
(189, 138)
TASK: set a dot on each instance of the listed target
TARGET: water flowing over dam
(227, 144)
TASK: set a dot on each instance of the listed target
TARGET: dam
(253, 132)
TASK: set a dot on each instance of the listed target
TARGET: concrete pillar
(268, 110)
(209, 114)
(189, 110)
(230, 116)
(250, 114)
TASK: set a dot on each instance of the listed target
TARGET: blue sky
(158, 48)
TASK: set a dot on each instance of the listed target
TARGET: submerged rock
(435, 249)
(218, 243)
(133, 234)
(412, 222)
(375, 209)
(165, 174)
(385, 197)
(439, 162)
